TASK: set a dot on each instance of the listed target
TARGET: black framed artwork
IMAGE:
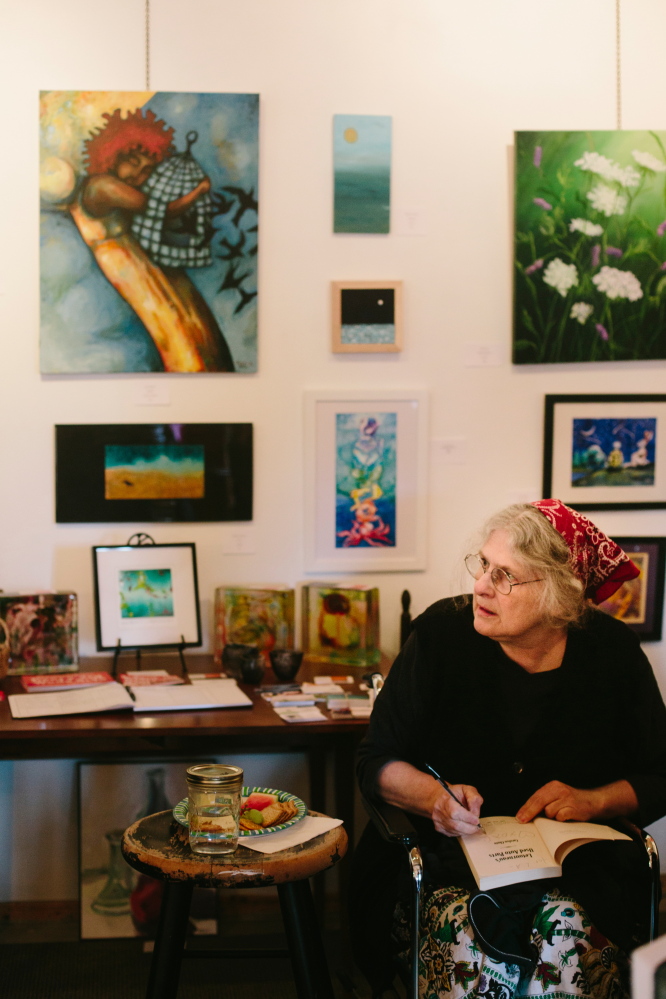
(605, 452)
(640, 602)
(155, 472)
(146, 596)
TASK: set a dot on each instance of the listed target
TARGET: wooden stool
(157, 845)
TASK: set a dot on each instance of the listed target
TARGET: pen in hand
(442, 783)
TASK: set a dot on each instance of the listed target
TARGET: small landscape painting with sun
(613, 452)
(145, 593)
(590, 247)
(362, 173)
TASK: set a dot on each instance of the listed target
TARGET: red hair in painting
(121, 136)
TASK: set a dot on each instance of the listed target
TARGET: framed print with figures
(605, 452)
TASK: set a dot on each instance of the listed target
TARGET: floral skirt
(575, 960)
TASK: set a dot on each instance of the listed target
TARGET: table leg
(170, 940)
(308, 959)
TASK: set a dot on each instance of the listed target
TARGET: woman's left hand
(564, 803)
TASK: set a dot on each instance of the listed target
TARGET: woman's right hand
(452, 819)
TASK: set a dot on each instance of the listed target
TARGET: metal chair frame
(395, 826)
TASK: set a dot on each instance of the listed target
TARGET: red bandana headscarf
(598, 562)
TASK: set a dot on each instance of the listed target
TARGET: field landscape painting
(153, 471)
(362, 173)
(148, 232)
(590, 246)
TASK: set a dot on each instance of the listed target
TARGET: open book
(509, 851)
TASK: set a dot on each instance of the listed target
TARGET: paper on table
(205, 694)
(320, 689)
(300, 714)
(105, 697)
(301, 832)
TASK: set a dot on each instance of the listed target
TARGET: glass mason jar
(213, 806)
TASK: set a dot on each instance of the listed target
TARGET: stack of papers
(149, 678)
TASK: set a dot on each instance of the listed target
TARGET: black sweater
(454, 700)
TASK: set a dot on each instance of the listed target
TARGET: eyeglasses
(477, 566)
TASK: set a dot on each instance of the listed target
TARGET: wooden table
(108, 735)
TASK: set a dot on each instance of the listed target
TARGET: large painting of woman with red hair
(148, 232)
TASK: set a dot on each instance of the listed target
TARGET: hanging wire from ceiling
(147, 22)
(618, 66)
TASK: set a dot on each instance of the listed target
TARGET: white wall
(457, 78)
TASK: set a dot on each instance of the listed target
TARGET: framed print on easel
(366, 479)
(146, 596)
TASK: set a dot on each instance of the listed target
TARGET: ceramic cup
(253, 668)
(286, 663)
(234, 655)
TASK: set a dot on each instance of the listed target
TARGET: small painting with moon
(362, 172)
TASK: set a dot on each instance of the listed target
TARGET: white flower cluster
(648, 161)
(586, 227)
(607, 200)
(560, 276)
(608, 169)
(618, 284)
(581, 312)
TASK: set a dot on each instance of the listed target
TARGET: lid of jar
(217, 774)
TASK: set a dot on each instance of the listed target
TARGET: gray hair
(543, 550)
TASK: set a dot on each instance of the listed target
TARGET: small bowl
(286, 663)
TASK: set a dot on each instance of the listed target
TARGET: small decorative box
(341, 623)
(254, 616)
(41, 632)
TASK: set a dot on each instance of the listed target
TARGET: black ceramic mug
(235, 656)
(286, 663)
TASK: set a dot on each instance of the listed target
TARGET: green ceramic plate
(180, 811)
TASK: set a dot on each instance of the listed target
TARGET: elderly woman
(528, 701)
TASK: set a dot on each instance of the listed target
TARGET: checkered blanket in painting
(181, 241)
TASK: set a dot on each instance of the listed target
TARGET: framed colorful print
(606, 452)
(114, 900)
(590, 217)
(153, 472)
(341, 623)
(640, 602)
(146, 595)
(365, 487)
(170, 283)
(366, 316)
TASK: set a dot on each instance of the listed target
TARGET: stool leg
(170, 940)
(308, 959)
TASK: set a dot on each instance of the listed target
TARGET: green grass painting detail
(590, 250)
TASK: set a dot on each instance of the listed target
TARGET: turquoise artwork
(590, 247)
(365, 479)
(362, 173)
(145, 593)
(148, 232)
(154, 471)
(613, 452)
